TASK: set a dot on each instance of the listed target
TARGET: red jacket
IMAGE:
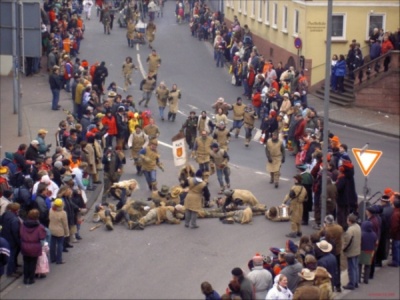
(256, 101)
(298, 134)
(251, 77)
(111, 123)
(386, 47)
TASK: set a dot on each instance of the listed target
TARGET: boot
(141, 101)
(276, 185)
(154, 186)
(169, 116)
(146, 103)
(173, 117)
(237, 132)
(246, 144)
(272, 178)
(109, 224)
(366, 273)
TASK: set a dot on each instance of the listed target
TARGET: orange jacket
(386, 47)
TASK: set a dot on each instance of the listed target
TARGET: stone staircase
(346, 99)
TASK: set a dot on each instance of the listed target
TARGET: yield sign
(366, 159)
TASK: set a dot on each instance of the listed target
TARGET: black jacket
(10, 230)
(32, 153)
(55, 82)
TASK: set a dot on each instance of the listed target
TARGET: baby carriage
(138, 38)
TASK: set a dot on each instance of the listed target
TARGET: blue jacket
(5, 254)
(10, 230)
(328, 261)
(340, 68)
(375, 51)
(368, 237)
(213, 296)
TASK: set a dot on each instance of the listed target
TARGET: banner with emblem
(179, 152)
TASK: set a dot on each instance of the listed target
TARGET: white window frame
(245, 7)
(340, 38)
(267, 12)
(240, 6)
(253, 9)
(275, 16)
(296, 21)
(285, 13)
(383, 15)
(260, 10)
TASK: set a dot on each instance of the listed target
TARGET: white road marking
(372, 124)
(165, 144)
(140, 65)
(263, 173)
(192, 106)
(137, 47)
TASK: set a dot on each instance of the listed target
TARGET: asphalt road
(170, 261)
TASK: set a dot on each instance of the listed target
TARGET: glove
(270, 161)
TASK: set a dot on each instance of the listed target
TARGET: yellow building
(275, 24)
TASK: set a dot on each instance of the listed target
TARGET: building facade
(275, 25)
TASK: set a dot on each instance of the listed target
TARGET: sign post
(366, 159)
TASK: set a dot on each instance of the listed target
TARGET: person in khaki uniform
(162, 93)
(220, 158)
(238, 116)
(248, 119)
(147, 86)
(151, 33)
(222, 135)
(151, 130)
(158, 215)
(201, 152)
(150, 159)
(294, 200)
(127, 69)
(238, 197)
(204, 123)
(136, 142)
(130, 33)
(88, 156)
(275, 152)
(194, 198)
(160, 197)
(173, 99)
(154, 62)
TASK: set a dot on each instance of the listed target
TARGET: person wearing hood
(369, 240)
(58, 227)
(31, 232)
(260, 278)
(198, 190)
(384, 242)
(291, 271)
(280, 289)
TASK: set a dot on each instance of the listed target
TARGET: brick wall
(383, 95)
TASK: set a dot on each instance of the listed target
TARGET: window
(296, 22)
(284, 19)
(253, 9)
(245, 7)
(375, 21)
(260, 3)
(338, 26)
(267, 12)
(275, 19)
(240, 6)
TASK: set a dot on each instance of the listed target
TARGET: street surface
(170, 261)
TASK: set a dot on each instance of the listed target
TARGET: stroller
(138, 38)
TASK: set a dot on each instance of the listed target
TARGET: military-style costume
(190, 130)
(185, 172)
(123, 189)
(150, 159)
(152, 131)
(249, 119)
(174, 97)
(238, 116)
(220, 160)
(277, 214)
(201, 149)
(127, 69)
(137, 141)
(160, 197)
(239, 216)
(162, 93)
(221, 136)
(275, 152)
(132, 211)
(240, 197)
(193, 200)
(151, 35)
(295, 199)
(159, 215)
(105, 214)
(147, 86)
(205, 123)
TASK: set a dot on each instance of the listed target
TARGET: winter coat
(32, 232)
(246, 289)
(90, 157)
(340, 68)
(111, 123)
(10, 231)
(58, 222)
(282, 293)
(346, 188)
(32, 153)
(193, 199)
(296, 204)
(334, 235)
(307, 292)
(262, 281)
(328, 261)
(4, 254)
(368, 243)
(352, 241)
(395, 225)
(275, 151)
(213, 296)
(383, 248)
(292, 274)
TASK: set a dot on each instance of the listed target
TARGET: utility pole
(326, 108)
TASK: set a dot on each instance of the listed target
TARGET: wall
(5, 65)
(312, 28)
(382, 95)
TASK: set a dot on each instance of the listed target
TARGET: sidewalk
(36, 114)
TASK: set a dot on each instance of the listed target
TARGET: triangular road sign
(366, 159)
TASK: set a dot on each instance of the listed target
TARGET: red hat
(388, 191)
(257, 258)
